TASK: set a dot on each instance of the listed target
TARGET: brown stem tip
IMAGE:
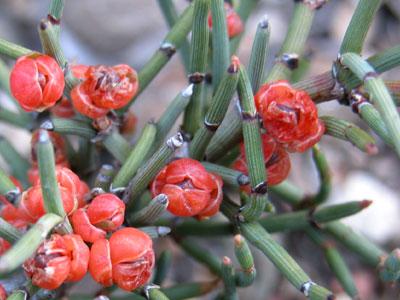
(371, 149)
(365, 203)
(226, 261)
(238, 240)
(234, 66)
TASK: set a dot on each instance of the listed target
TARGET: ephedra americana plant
(215, 177)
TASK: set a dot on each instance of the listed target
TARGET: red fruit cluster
(103, 88)
(104, 214)
(234, 23)
(191, 190)
(276, 161)
(59, 259)
(290, 119)
(289, 116)
(126, 259)
(36, 81)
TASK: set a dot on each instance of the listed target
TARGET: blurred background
(129, 31)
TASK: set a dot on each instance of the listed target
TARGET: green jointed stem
(198, 66)
(228, 277)
(117, 145)
(259, 54)
(55, 14)
(18, 295)
(247, 273)
(379, 94)
(301, 219)
(293, 45)
(202, 255)
(16, 119)
(46, 163)
(369, 252)
(189, 290)
(325, 185)
(355, 242)
(56, 9)
(4, 77)
(69, 126)
(262, 240)
(229, 176)
(156, 294)
(51, 193)
(171, 16)
(297, 220)
(394, 87)
(322, 87)
(220, 42)
(150, 169)
(350, 132)
(370, 115)
(16, 162)
(253, 149)
(173, 40)
(216, 113)
(335, 261)
(28, 243)
(162, 267)
(150, 213)
(9, 232)
(360, 23)
(13, 50)
(227, 136)
(136, 156)
(381, 62)
(49, 36)
(171, 114)
(287, 192)
(6, 185)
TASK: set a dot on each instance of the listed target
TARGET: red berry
(84, 105)
(59, 259)
(277, 161)
(104, 88)
(127, 259)
(104, 214)
(36, 81)
(3, 293)
(4, 246)
(191, 190)
(234, 23)
(289, 115)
